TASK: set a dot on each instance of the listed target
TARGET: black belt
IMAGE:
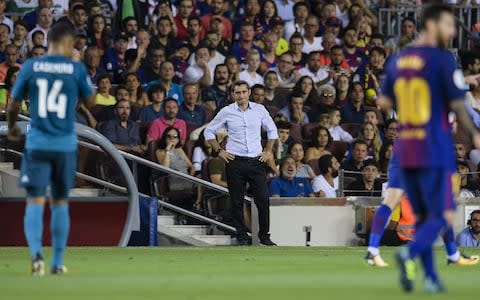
(246, 157)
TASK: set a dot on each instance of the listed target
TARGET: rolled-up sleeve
(215, 125)
(268, 125)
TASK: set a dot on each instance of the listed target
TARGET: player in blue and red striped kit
(425, 84)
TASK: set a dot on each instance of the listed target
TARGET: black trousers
(244, 170)
(391, 238)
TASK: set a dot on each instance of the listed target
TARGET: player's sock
(450, 244)
(428, 264)
(426, 235)
(60, 225)
(33, 228)
(378, 227)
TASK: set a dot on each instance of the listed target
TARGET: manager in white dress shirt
(245, 157)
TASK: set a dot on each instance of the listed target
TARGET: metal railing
(390, 19)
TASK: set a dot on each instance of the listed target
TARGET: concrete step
(215, 240)
(189, 229)
(6, 165)
(165, 220)
(85, 192)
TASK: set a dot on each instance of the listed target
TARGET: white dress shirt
(243, 128)
(316, 45)
(249, 79)
(339, 134)
(320, 75)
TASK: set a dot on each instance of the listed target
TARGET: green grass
(220, 273)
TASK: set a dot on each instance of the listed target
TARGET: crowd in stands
(162, 70)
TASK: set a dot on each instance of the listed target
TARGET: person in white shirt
(337, 132)
(326, 184)
(211, 41)
(200, 71)
(311, 42)
(300, 11)
(313, 69)
(250, 74)
(44, 22)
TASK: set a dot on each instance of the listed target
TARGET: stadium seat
(307, 131)
(351, 128)
(190, 128)
(143, 130)
(338, 149)
(209, 114)
(188, 148)
(314, 164)
(296, 132)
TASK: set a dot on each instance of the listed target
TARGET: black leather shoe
(267, 242)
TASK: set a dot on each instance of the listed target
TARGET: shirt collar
(235, 105)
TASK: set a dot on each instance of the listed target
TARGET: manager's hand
(227, 157)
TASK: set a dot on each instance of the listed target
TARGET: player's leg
(392, 199)
(34, 178)
(453, 255)
(63, 179)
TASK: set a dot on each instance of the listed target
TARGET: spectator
(371, 116)
(327, 10)
(212, 40)
(294, 111)
(169, 119)
(286, 72)
(190, 111)
(325, 102)
(314, 70)
(470, 236)
(224, 45)
(156, 94)
(10, 79)
(79, 17)
(268, 12)
(31, 17)
(282, 145)
(354, 165)
(155, 59)
(271, 83)
(460, 150)
(218, 9)
(368, 185)
(200, 71)
(321, 142)
(310, 39)
(333, 25)
(11, 58)
(277, 27)
(122, 132)
(258, 94)
(38, 51)
(270, 58)
(370, 134)
(80, 41)
(233, 67)
(326, 184)
(4, 40)
(328, 42)
(408, 29)
(216, 95)
(251, 10)
(138, 96)
(297, 151)
(20, 39)
(195, 33)
(390, 130)
(337, 132)
(165, 35)
(287, 184)
(370, 74)
(4, 19)
(44, 22)
(201, 152)
(376, 40)
(295, 49)
(338, 65)
(306, 87)
(342, 85)
(130, 27)
(250, 74)
(114, 58)
(171, 155)
(184, 11)
(354, 56)
(470, 62)
(92, 62)
(468, 187)
(300, 12)
(167, 72)
(354, 111)
(103, 96)
(245, 43)
(385, 156)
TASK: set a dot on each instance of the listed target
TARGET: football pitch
(221, 273)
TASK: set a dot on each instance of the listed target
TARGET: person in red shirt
(218, 8)
(185, 9)
(169, 119)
